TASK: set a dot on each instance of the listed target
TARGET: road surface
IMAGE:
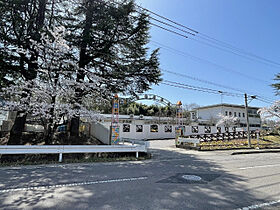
(173, 179)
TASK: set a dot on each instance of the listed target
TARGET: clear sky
(252, 25)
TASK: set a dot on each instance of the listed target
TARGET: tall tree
(20, 21)
(112, 45)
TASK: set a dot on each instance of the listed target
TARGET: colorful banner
(115, 136)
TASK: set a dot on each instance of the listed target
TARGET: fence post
(137, 155)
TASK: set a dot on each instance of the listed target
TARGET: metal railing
(63, 149)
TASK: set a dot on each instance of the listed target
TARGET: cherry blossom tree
(271, 111)
(226, 120)
(50, 95)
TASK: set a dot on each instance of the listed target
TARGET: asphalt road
(173, 179)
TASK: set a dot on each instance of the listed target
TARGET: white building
(210, 114)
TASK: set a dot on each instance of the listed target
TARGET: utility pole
(247, 119)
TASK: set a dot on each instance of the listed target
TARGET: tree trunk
(75, 121)
(49, 137)
(74, 127)
(17, 129)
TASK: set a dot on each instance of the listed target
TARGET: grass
(274, 139)
(20, 160)
(266, 142)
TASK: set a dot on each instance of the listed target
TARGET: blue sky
(252, 25)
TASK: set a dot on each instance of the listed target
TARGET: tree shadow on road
(163, 187)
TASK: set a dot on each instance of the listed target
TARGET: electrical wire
(216, 84)
(204, 61)
(202, 89)
(209, 38)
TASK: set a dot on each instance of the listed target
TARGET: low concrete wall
(100, 132)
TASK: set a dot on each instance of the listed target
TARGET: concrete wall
(101, 132)
(146, 132)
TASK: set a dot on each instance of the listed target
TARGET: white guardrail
(63, 149)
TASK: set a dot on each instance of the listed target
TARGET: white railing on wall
(63, 149)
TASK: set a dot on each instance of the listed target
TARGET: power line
(202, 89)
(211, 45)
(209, 38)
(165, 18)
(200, 35)
(218, 85)
(264, 101)
(201, 80)
(201, 60)
(162, 22)
(171, 31)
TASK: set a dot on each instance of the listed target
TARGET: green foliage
(140, 109)
(113, 45)
(276, 86)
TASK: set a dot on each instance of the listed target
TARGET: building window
(194, 129)
(226, 129)
(219, 130)
(126, 128)
(167, 128)
(243, 125)
(234, 129)
(207, 129)
(226, 113)
(193, 115)
(229, 113)
(239, 114)
(243, 114)
(139, 128)
(154, 128)
(235, 114)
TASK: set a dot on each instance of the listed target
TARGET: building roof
(226, 105)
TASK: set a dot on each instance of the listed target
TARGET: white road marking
(72, 184)
(263, 166)
(260, 205)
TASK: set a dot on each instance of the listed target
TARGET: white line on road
(260, 205)
(72, 184)
(263, 166)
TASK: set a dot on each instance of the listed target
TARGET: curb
(255, 152)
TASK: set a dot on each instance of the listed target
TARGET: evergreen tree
(20, 21)
(112, 45)
(276, 86)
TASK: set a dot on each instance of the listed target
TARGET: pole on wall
(247, 120)
(115, 128)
